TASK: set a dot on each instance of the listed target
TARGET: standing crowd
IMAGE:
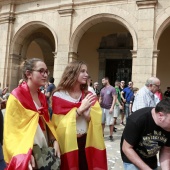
(50, 127)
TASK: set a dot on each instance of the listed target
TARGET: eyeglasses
(42, 71)
(156, 85)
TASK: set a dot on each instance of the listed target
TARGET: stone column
(14, 70)
(142, 65)
(102, 65)
(62, 56)
(154, 62)
(7, 19)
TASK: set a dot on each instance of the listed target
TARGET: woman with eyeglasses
(77, 118)
(27, 123)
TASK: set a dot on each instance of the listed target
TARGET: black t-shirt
(146, 137)
(1, 127)
(167, 94)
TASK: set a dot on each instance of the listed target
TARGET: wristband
(78, 113)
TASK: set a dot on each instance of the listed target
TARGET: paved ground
(113, 148)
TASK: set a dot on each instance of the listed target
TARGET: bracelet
(78, 113)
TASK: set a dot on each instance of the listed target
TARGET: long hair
(70, 76)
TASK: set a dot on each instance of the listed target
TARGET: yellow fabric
(20, 126)
(95, 133)
(65, 126)
(66, 130)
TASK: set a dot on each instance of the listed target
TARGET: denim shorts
(129, 166)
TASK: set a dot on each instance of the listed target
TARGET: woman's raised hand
(86, 103)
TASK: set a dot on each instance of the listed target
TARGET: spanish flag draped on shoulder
(20, 125)
(64, 119)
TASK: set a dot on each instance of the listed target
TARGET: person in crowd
(48, 93)
(158, 96)
(27, 123)
(167, 92)
(135, 90)
(145, 96)
(96, 90)
(118, 104)
(44, 88)
(122, 111)
(2, 162)
(77, 118)
(107, 102)
(147, 133)
(90, 88)
(3, 91)
(126, 95)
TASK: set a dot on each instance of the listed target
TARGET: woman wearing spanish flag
(77, 118)
(27, 122)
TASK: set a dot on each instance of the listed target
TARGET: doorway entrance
(118, 69)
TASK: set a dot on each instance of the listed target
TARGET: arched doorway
(34, 39)
(106, 47)
(163, 63)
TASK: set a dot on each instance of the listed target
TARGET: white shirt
(91, 90)
(81, 123)
(143, 98)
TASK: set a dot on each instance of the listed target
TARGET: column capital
(146, 4)
(134, 53)
(72, 56)
(15, 56)
(156, 53)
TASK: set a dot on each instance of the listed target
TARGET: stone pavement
(113, 148)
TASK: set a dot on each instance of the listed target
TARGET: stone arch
(32, 31)
(160, 30)
(95, 19)
(26, 31)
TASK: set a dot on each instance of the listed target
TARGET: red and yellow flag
(64, 118)
(20, 125)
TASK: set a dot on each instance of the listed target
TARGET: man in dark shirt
(48, 93)
(146, 133)
(167, 93)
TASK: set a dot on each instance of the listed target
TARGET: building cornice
(6, 2)
(146, 4)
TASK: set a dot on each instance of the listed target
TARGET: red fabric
(19, 162)
(22, 93)
(96, 158)
(69, 160)
(61, 106)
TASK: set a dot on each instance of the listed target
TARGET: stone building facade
(99, 32)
